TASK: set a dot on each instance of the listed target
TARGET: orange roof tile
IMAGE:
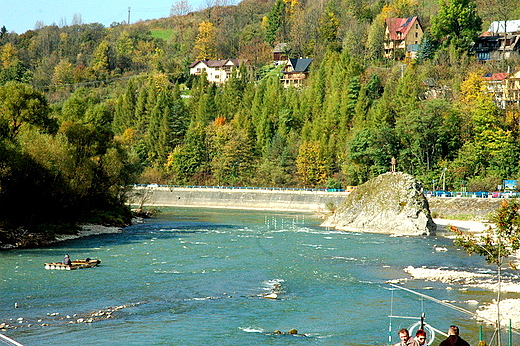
(399, 27)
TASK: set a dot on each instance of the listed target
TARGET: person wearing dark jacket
(453, 338)
(67, 260)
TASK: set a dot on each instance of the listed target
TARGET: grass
(163, 34)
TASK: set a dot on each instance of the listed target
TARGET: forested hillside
(86, 110)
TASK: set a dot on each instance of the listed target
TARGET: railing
(243, 188)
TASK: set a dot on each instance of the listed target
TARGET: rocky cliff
(390, 203)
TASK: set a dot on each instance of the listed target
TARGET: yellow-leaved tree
(206, 42)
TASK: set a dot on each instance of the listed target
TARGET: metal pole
(498, 294)
(480, 334)
(391, 313)
(510, 330)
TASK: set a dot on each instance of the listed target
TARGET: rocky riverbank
(462, 280)
(34, 240)
(89, 230)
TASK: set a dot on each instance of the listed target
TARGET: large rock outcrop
(390, 203)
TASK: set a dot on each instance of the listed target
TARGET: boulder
(391, 203)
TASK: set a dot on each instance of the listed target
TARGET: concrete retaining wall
(296, 200)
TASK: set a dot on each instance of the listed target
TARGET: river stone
(391, 203)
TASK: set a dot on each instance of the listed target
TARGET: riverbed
(195, 276)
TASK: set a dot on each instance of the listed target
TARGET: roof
(218, 63)
(495, 76)
(300, 64)
(398, 27)
(511, 26)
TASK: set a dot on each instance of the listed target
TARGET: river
(197, 276)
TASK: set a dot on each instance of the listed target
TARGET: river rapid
(196, 276)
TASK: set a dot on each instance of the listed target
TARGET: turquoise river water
(197, 277)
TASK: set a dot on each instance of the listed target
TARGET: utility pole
(128, 22)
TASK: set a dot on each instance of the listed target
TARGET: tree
(274, 22)
(180, 8)
(427, 48)
(427, 133)
(376, 37)
(21, 104)
(311, 164)
(496, 244)
(329, 23)
(457, 23)
(100, 60)
(205, 45)
(63, 73)
(188, 162)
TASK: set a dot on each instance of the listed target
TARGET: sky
(22, 15)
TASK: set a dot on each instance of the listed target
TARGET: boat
(77, 264)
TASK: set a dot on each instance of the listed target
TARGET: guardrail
(477, 194)
(243, 188)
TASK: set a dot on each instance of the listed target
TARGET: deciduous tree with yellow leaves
(206, 40)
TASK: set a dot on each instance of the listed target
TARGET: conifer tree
(124, 113)
(274, 22)
(329, 23)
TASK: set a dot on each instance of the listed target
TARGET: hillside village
(267, 93)
(402, 42)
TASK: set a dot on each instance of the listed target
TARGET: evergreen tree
(329, 23)
(275, 21)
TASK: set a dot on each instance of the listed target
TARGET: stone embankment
(238, 198)
(476, 209)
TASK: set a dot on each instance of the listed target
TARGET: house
(501, 41)
(495, 84)
(509, 26)
(402, 38)
(489, 46)
(512, 89)
(217, 71)
(280, 53)
(295, 71)
(503, 87)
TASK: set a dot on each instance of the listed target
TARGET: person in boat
(453, 338)
(67, 260)
(404, 336)
(420, 338)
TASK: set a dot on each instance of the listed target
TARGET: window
(483, 55)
